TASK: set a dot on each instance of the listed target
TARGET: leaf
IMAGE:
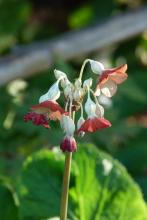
(102, 193)
(8, 208)
(100, 187)
(40, 187)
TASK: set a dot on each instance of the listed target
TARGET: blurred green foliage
(27, 21)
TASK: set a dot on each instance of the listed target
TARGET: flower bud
(78, 83)
(78, 94)
(87, 83)
(90, 108)
(59, 74)
(67, 124)
(52, 94)
(68, 144)
(96, 67)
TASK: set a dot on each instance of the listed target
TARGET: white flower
(90, 108)
(104, 100)
(96, 67)
(52, 94)
(107, 167)
(67, 124)
(87, 83)
(59, 74)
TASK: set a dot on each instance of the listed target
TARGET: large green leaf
(102, 193)
(100, 187)
(8, 208)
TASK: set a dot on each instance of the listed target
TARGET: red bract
(37, 119)
(68, 144)
(94, 124)
(52, 108)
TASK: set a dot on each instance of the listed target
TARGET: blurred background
(38, 30)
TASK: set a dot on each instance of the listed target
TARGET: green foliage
(80, 17)
(13, 16)
(40, 185)
(95, 191)
(8, 208)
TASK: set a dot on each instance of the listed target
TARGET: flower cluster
(75, 95)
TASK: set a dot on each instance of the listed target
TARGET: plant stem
(82, 68)
(65, 187)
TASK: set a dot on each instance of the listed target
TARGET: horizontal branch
(36, 57)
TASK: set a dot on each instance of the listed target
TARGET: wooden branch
(31, 59)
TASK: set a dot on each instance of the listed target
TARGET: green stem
(65, 187)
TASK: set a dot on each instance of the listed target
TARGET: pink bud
(68, 144)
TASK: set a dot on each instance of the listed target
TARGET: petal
(51, 108)
(92, 125)
(52, 94)
(99, 111)
(37, 119)
(116, 74)
(54, 116)
(97, 91)
(119, 77)
(109, 88)
(96, 67)
(67, 124)
(90, 107)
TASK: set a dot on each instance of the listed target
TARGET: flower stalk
(65, 187)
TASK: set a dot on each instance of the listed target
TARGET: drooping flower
(95, 120)
(51, 108)
(52, 94)
(43, 112)
(94, 124)
(68, 144)
(109, 79)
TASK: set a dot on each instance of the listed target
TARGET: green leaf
(40, 188)
(100, 187)
(104, 195)
(8, 208)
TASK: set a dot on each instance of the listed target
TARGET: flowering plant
(74, 94)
